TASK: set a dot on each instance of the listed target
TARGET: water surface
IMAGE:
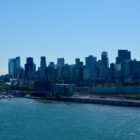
(27, 119)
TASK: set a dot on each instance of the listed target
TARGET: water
(27, 119)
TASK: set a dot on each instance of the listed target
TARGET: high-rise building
(105, 60)
(91, 61)
(51, 72)
(14, 66)
(77, 73)
(91, 64)
(51, 64)
(86, 73)
(126, 68)
(43, 63)
(60, 62)
(30, 69)
(42, 69)
(11, 67)
(123, 55)
(66, 72)
(17, 62)
(112, 67)
(135, 69)
(77, 61)
(105, 74)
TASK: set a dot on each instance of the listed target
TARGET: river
(28, 119)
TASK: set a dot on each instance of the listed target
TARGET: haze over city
(68, 29)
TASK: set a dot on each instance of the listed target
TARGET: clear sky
(67, 28)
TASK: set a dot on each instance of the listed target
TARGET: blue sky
(67, 28)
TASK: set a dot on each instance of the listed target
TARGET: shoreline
(88, 100)
(104, 100)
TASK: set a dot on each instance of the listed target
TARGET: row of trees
(23, 88)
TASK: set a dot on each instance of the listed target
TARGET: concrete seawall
(116, 102)
(110, 90)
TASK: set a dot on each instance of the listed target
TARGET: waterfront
(34, 119)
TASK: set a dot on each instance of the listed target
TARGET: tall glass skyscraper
(43, 63)
(14, 66)
(60, 61)
(122, 56)
(105, 59)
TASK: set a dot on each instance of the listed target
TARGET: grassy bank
(22, 88)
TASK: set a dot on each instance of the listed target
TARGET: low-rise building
(64, 89)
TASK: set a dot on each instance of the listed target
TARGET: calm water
(26, 119)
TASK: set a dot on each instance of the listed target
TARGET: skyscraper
(30, 68)
(105, 60)
(51, 64)
(77, 61)
(14, 66)
(60, 62)
(122, 56)
(43, 63)
(91, 64)
(11, 67)
(17, 63)
(42, 70)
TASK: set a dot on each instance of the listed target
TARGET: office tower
(77, 73)
(77, 61)
(51, 64)
(60, 62)
(29, 60)
(30, 69)
(105, 60)
(122, 56)
(105, 74)
(66, 72)
(42, 69)
(135, 69)
(90, 61)
(112, 67)
(51, 72)
(126, 65)
(17, 63)
(21, 73)
(11, 67)
(14, 66)
(91, 64)
(17, 67)
(43, 63)
(86, 73)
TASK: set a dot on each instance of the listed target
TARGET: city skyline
(69, 69)
(68, 29)
(63, 60)
(23, 62)
(125, 69)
